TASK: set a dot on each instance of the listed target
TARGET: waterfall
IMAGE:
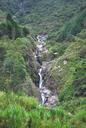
(43, 99)
(41, 80)
(40, 49)
(41, 86)
(47, 97)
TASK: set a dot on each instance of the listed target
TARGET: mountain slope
(44, 15)
(64, 53)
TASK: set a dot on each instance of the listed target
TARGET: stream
(47, 97)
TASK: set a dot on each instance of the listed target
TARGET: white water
(40, 75)
(43, 99)
(40, 48)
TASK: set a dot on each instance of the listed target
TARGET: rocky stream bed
(48, 98)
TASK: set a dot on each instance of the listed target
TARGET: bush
(22, 111)
(27, 102)
(14, 110)
(79, 120)
(13, 116)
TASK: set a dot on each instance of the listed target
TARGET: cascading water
(40, 48)
(43, 99)
(46, 95)
(41, 80)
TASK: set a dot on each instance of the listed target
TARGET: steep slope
(18, 69)
(66, 74)
(50, 15)
(14, 66)
(71, 27)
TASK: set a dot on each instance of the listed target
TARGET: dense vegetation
(65, 23)
(11, 29)
(22, 111)
(43, 15)
(74, 26)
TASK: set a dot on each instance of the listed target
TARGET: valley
(42, 64)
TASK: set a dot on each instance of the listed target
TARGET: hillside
(44, 15)
(42, 63)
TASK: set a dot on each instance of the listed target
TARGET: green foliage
(27, 103)
(80, 79)
(9, 17)
(74, 104)
(2, 16)
(13, 117)
(14, 71)
(82, 34)
(14, 68)
(16, 111)
(72, 27)
(44, 16)
(70, 77)
(12, 29)
(14, 64)
(79, 120)
(25, 31)
(13, 108)
(22, 111)
(56, 49)
(75, 85)
(43, 118)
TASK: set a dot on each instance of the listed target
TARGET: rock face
(30, 86)
(49, 98)
(49, 80)
(33, 64)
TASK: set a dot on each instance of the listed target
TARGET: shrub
(13, 116)
(79, 120)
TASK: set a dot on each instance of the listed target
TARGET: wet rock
(48, 97)
(52, 100)
(39, 46)
(47, 92)
(65, 62)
